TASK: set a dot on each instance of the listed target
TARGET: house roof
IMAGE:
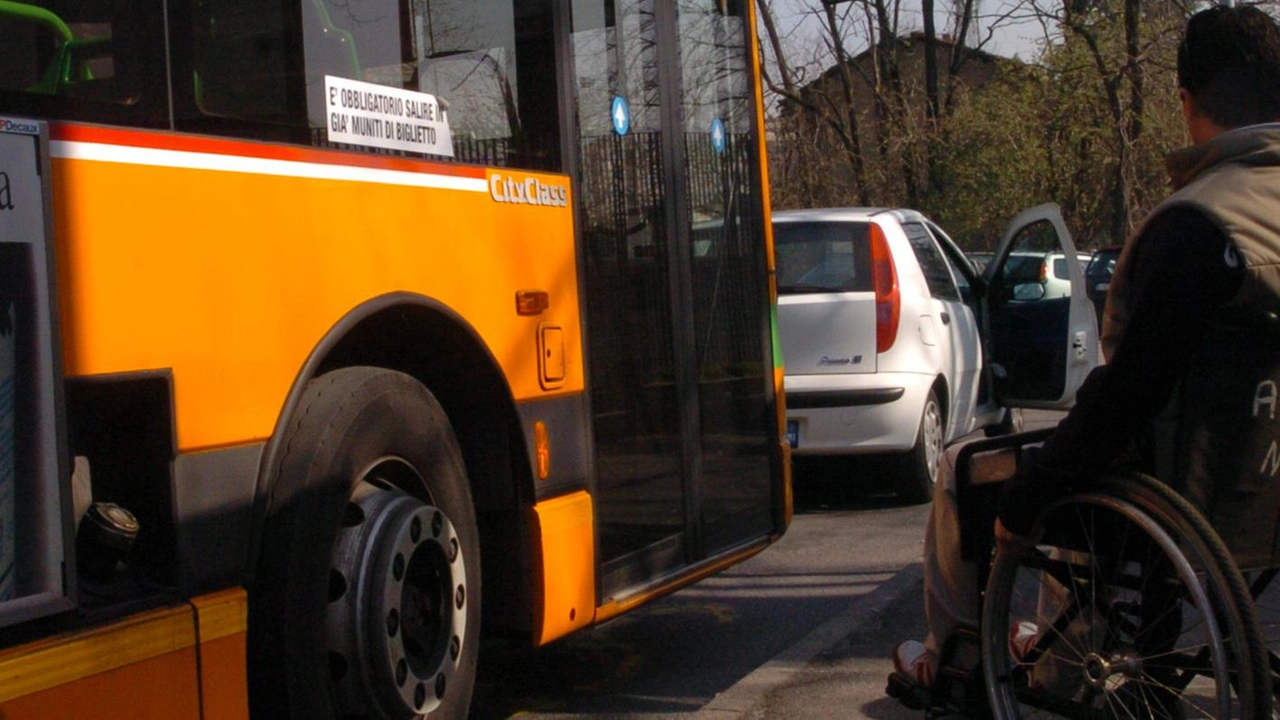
(976, 58)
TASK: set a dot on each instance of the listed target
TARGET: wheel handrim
(397, 611)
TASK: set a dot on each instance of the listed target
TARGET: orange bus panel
(223, 621)
(564, 576)
(143, 667)
(264, 254)
(162, 688)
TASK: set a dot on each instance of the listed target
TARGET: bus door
(675, 298)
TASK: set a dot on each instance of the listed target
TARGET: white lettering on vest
(1273, 457)
(1265, 395)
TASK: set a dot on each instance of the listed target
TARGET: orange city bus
(333, 332)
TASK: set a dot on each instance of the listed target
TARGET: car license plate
(793, 433)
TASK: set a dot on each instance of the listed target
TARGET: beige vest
(1218, 441)
(1234, 180)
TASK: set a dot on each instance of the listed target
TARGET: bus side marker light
(542, 448)
(532, 302)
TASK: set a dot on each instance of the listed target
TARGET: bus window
(466, 54)
(446, 79)
(239, 60)
(90, 60)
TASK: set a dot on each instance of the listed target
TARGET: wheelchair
(1126, 603)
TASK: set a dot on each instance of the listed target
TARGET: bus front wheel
(367, 598)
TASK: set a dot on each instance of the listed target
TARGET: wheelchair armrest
(1016, 441)
(976, 497)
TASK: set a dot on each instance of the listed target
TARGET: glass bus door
(675, 296)
(630, 290)
(721, 212)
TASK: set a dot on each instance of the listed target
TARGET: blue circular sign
(621, 115)
(718, 136)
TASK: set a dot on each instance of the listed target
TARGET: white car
(893, 343)
(1050, 270)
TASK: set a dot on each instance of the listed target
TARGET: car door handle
(1079, 345)
(946, 319)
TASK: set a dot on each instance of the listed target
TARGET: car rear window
(1060, 269)
(822, 257)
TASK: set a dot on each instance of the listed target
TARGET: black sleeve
(1183, 269)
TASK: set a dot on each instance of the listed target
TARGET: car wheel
(921, 463)
(1010, 423)
(366, 602)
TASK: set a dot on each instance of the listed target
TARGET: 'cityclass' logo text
(529, 191)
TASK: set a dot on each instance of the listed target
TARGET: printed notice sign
(36, 521)
(21, 223)
(361, 113)
(8, 509)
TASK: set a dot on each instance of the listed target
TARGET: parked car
(888, 346)
(1049, 269)
(979, 258)
(1097, 278)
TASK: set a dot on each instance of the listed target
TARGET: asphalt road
(677, 654)
(803, 629)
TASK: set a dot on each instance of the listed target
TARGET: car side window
(960, 266)
(937, 274)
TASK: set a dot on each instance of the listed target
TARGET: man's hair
(1229, 61)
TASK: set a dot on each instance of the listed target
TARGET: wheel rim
(931, 437)
(397, 611)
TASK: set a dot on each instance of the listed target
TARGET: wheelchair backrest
(1225, 455)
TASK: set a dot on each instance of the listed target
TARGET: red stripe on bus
(220, 146)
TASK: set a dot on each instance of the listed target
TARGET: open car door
(1042, 334)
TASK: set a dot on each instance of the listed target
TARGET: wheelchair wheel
(1128, 605)
(1266, 601)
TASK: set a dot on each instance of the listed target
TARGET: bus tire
(366, 602)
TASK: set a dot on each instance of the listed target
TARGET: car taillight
(885, 280)
(1044, 272)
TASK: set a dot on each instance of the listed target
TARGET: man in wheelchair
(1104, 593)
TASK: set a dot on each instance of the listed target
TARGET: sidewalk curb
(748, 694)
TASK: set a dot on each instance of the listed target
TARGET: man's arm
(1182, 272)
